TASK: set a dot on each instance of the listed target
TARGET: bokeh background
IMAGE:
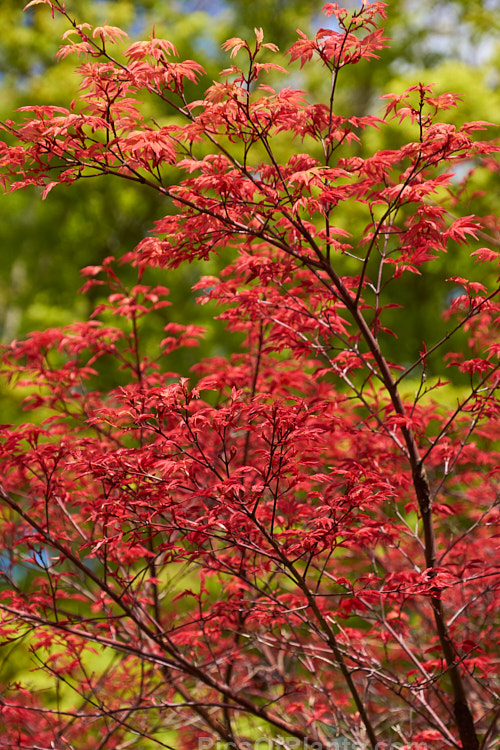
(454, 44)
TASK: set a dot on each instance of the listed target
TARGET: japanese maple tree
(294, 544)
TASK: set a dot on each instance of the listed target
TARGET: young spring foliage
(297, 541)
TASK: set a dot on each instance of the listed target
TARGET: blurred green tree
(457, 39)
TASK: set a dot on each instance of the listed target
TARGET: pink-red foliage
(299, 541)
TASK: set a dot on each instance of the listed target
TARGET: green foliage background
(454, 44)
